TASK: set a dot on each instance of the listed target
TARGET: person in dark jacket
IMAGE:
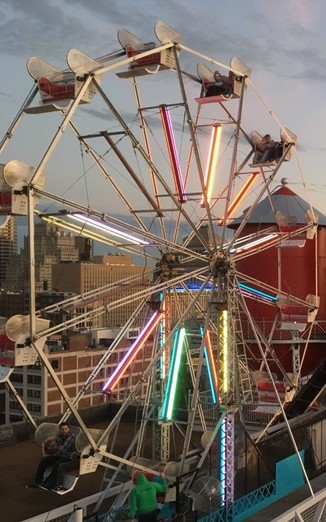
(160, 497)
(63, 457)
(142, 500)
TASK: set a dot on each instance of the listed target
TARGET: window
(36, 394)
(16, 377)
(13, 405)
(15, 418)
(34, 407)
(34, 379)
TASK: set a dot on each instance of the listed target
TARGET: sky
(282, 42)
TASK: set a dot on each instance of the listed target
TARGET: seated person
(63, 457)
(280, 149)
(222, 85)
(264, 151)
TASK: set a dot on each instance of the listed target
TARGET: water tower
(297, 267)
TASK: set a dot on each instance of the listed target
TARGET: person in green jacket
(142, 500)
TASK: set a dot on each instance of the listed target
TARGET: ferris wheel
(175, 163)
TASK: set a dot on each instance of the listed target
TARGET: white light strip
(254, 243)
(107, 228)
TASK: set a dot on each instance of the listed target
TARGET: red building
(295, 267)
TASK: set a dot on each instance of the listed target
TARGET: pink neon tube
(132, 352)
(174, 159)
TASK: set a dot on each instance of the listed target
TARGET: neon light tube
(254, 243)
(173, 153)
(236, 202)
(107, 228)
(258, 292)
(78, 229)
(171, 386)
(211, 369)
(162, 335)
(193, 286)
(132, 352)
(224, 326)
(211, 162)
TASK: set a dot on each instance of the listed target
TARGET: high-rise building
(8, 246)
(80, 278)
(52, 246)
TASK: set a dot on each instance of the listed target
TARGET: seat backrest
(82, 442)
(49, 431)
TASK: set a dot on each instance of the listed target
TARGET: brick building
(73, 357)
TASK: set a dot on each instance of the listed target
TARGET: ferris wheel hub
(219, 264)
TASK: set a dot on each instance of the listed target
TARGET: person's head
(161, 467)
(139, 478)
(64, 428)
(135, 476)
(267, 137)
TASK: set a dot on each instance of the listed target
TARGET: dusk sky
(282, 42)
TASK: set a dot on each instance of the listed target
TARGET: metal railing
(318, 332)
(242, 505)
(310, 510)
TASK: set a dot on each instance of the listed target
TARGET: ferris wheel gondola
(149, 63)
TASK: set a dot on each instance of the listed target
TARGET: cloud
(49, 29)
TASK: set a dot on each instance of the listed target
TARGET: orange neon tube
(236, 202)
